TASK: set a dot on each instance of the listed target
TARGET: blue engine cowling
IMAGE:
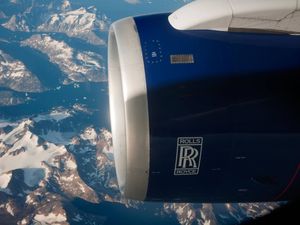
(204, 116)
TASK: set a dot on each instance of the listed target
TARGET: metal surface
(240, 96)
(128, 109)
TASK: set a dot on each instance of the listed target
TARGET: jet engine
(204, 115)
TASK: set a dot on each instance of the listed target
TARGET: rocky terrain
(9, 98)
(38, 176)
(58, 16)
(14, 75)
(76, 66)
(79, 23)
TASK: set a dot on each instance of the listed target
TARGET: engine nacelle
(204, 116)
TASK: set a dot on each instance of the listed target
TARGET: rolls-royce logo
(188, 156)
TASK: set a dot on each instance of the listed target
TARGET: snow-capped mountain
(47, 174)
(78, 23)
(56, 115)
(23, 147)
(15, 75)
(59, 17)
(213, 214)
(16, 23)
(77, 66)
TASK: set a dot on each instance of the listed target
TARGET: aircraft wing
(225, 15)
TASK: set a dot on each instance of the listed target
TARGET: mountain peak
(15, 75)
